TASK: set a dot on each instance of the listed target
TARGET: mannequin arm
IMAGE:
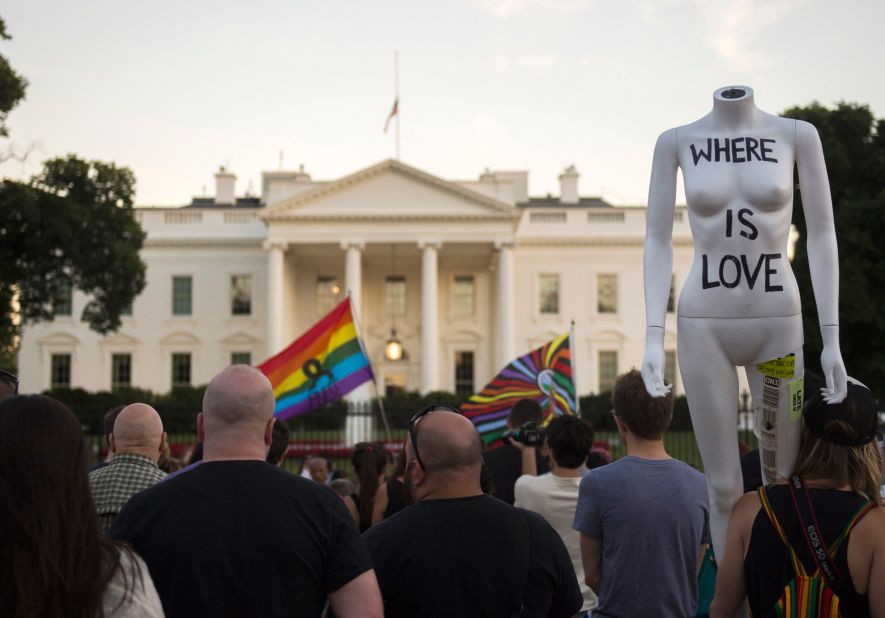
(823, 255)
(658, 258)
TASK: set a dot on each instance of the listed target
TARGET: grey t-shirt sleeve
(588, 514)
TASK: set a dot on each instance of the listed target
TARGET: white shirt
(555, 499)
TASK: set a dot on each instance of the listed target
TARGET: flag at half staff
(544, 374)
(321, 366)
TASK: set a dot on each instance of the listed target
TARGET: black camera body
(529, 434)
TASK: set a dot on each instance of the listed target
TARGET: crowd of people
(527, 529)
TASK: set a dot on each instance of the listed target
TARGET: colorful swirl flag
(321, 366)
(544, 374)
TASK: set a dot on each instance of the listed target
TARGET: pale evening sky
(175, 89)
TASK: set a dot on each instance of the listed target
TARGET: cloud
(732, 28)
(508, 8)
(504, 63)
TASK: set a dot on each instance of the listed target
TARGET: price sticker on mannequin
(783, 367)
(797, 396)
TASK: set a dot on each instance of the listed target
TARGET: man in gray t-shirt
(643, 519)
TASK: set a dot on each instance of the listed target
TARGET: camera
(529, 434)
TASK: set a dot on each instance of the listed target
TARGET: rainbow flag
(321, 366)
(544, 374)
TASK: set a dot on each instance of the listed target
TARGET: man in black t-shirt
(457, 552)
(504, 464)
(237, 536)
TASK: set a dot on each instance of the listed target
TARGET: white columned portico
(353, 274)
(506, 304)
(276, 255)
(429, 315)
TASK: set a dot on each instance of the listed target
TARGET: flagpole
(574, 353)
(359, 338)
(382, 410)
(396, 88)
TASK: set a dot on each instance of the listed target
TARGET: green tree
(12, 85)
(71, 226)
(854, 148)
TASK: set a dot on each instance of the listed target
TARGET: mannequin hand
(834, 374)
(653, 371)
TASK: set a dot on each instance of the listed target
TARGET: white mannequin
(740, 304)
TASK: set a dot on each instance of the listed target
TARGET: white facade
(473, 259)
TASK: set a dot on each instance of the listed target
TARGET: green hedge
(179, 408)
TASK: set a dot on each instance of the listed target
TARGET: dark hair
(110, 417)
(570, 439)
(525, 411)
(55, 561)
(369, 460)
(196, 454)
(279, 442)
(646, 417)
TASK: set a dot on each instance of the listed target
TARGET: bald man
(237, 536)
(136, 443)
(457, 552)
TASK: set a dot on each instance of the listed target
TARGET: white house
(469, 274)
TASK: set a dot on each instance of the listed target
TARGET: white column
(506, 305)
(358, 426)
(429, 316)
(353, 274)
(275, 282)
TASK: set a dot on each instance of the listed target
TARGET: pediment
(180, 338)
(542, 339)
(119, 339)
(390, 189)
(240, 338)
(59, 339)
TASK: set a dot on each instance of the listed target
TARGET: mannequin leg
(787, 432)
(711, 386)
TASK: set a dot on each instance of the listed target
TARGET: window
(548, 287)
(671, 299)
(64, 301)
(669, 367)
(464, 374)
(328, 294)
(241, 295)
(121, 371)
(608, 370)
(182, 297)
(394, 384)
(181, 369)
(60, 376)
(240, 358)
(463, 296)
(396, 295)
(607, 293)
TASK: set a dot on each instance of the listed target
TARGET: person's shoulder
(392, 527)
(872, 526)
(529, 481)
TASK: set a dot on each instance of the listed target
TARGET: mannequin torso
(737, 165)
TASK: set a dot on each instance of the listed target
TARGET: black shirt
(504, 465)
(767, 565)
(466, 557)
(396, 498)
(242, 538)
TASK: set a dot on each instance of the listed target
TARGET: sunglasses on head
(413, 424)
(11, 379)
